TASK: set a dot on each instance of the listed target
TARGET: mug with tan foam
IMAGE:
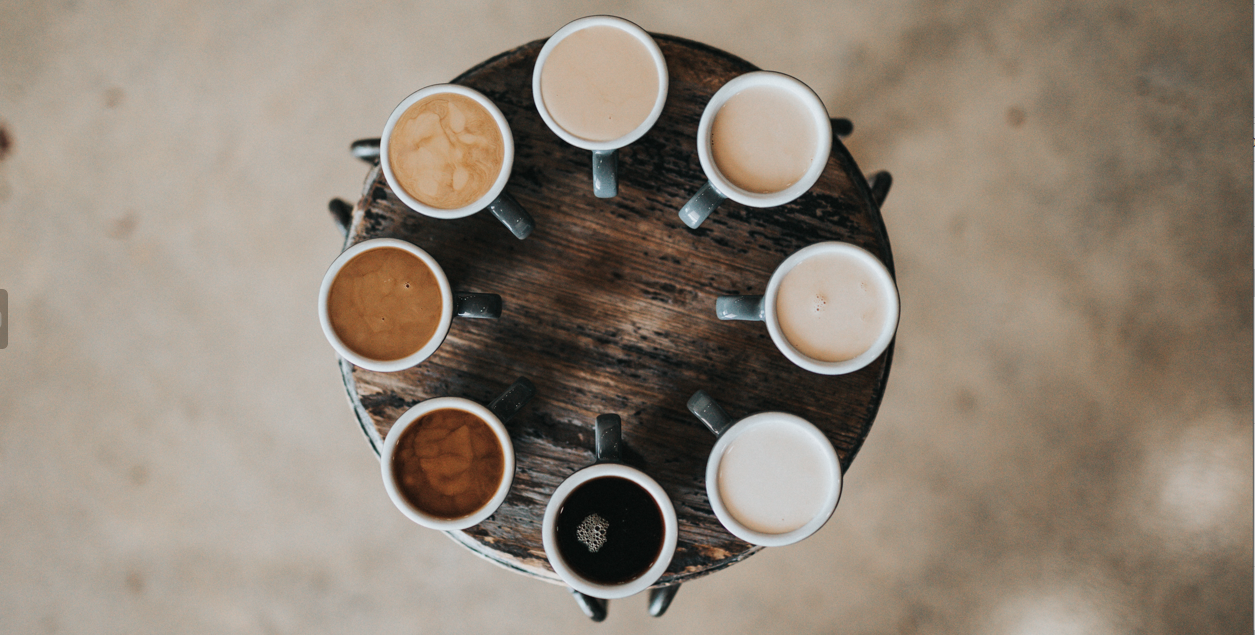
(386, 305)
(763, 140)
(447, 152)
(600, 83)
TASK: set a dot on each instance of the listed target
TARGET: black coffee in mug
(609, 530)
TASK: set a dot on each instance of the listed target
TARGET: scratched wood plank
(609, 308)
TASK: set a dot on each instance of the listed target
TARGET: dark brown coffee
(610, 530)
(448, 463)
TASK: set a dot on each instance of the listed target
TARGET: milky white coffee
(774, 478)
(832, 306)
(599, 83)
(763, 139)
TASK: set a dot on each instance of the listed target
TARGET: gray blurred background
(1065, 446)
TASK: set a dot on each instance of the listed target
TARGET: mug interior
(388, 452)
(660, 64)
(507, 163)
(831, 466)
(554, 553)
(888, 288)
(814, 106)
(385, 365)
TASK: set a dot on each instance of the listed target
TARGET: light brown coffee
(446, 151)
(448, 463)
(385, 304)
(599, 83)
(763, 139)
(831, 307)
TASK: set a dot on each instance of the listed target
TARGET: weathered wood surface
(609, 308)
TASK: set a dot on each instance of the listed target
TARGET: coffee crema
(763, 139)
(385, 304)
(774, 478)
(448, 463)
(609, 530)
(831, 307)
(446, 151)
(599, 83)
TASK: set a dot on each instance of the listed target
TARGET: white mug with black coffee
(609, 530)
(772, 478)
(448, 462)
(386, 304)
(600, 83)
(447, 152)
(831, 308)
(763, 140)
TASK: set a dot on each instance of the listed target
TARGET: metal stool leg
(594, 608)
(660, 598)
(879, 185)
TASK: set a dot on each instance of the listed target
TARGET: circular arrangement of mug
(609, 530)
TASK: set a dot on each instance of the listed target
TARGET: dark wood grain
(609, 308)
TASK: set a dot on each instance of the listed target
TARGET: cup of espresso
(772, 478)
(600, 83)
(447, 152)
(763, 141)
(831, 308)
(386, 305)
(609, 530)
(448, 462)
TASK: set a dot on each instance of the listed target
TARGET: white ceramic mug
(498, 202)
(609, 437)
(782, 483)
(605, 161)
(718, 188)
(763, 308)
(495, 414)
(470, 305)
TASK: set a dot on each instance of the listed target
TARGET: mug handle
(741, 307)
(605, 173)
(512, 215)
(477, 305)
(705, 408)
(609, 432)
(513, 399)
(701, 205)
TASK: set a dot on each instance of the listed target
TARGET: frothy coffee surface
(599, 83)
(385, 304)
(446, 151)
(831, 307)
(448, 463)
(763, 139)
(774, 478)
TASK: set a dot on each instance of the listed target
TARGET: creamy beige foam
(385, 304)
(446, 151)
(831, 307)
(774, 478)
(763, 139)
(599, 83)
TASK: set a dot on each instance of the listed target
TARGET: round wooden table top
(609, 307)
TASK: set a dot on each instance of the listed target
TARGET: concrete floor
(1066, 442)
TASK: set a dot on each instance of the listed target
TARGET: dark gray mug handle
(701, 205)
(609, 430)
(741, 307)
(704, 407)
(512, 215)
(605, 173)
(477, 305)
(513, 399)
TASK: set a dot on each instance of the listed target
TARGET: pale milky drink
(774, 478)
(763, 139)
(599, 83)
(832, 307)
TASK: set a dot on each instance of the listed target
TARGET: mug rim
(385, 365)
(735, 527)
(655, 52)
(507, 144)
(670, 528)
(823, 144)
(403, 423)
(892, 309)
